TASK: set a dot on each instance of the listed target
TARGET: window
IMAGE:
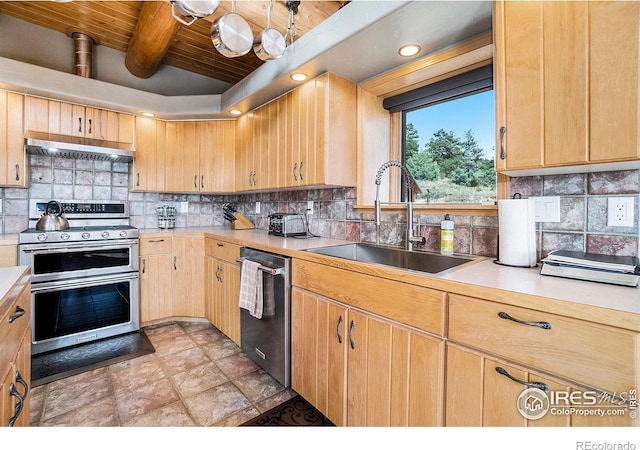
(449, 143)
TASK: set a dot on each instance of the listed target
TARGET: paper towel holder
(515, 196)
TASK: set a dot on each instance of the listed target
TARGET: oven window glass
(80, 260)
(74, 310)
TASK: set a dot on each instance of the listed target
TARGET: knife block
(241, 223)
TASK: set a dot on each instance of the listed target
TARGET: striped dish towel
(251, 288)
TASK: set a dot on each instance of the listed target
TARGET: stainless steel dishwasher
(267, 341)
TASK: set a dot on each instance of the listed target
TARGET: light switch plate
(184, 207)
(310, 207)
(0, 206)
(257, 207)
(547, 209)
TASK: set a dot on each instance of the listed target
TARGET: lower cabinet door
(395, 374)
(484, 391)
(156, 295)
(318, 353)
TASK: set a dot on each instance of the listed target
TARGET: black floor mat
(58, 364)
(294, 412)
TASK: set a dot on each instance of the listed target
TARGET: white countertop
(483, 274)
(8, 278)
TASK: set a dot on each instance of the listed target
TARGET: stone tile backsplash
(583, 201)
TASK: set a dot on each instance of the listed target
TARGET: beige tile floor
(196, 377)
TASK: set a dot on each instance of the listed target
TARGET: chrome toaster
(287, 224)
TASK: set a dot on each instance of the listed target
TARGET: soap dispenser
(446, 236)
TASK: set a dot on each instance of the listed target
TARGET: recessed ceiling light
(409, 50)
(148, 114)
(235, 112)
(298, 76)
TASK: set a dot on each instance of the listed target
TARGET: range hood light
(53, 149)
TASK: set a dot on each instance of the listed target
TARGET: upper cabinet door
(217, 156)
(613, 92)
(559, 100)
(182, 157)
(149, 163)
(12, 155)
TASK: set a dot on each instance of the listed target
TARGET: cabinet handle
(174, 263)
(144, 265)
(19, 313)
(295, 177)
(220, 244)
(79, 124)
(540, 386)
(195, 181)
(202, 181)
(254, 177)
(90, 126)
(156, 240)
(17, 172)
(138, 179)
(340, 320)
(543, 325)
(503, 153)
(353, 325)
(18, 409)
(220, 279)
(21, 381)
(300, 170)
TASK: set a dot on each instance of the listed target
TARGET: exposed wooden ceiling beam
(152, 37)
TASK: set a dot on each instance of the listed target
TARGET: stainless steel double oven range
(84, 280)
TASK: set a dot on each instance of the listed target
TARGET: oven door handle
(84, 282)
(71, 246)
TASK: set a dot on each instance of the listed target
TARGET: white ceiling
(358, 42)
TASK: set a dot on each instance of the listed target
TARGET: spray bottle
(446, 236)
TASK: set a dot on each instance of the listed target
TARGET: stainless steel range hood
(49, 144)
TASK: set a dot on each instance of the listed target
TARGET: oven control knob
(105, 234)
(123, 234)
(64, 236)
(42, 237)
(85, 235)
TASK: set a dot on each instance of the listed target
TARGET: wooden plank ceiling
(113, 24)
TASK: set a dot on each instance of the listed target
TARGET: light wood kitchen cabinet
(156, 293)
(199, 156)
(307, 137)
(556, 110)
(8, 254)
(482, 390)
(223, 287)
(52, 116)
(534, 343)
(182, 157)
(217, 156)
(15, 355)
(394, 374)
(13, 172)
(188, 276)
(149, 163)
(319, 353)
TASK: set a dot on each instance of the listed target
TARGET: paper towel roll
(517, 232)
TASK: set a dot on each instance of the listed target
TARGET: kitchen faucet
(411, 239)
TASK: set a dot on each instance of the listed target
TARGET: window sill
(449, 208)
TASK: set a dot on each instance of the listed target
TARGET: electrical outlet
(547, 209)
(620, 212)
(184, 207)
(310, 207)
(257, 207)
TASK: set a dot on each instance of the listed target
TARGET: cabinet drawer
(155, 245)
(415, 306)
(11, 333)
(222, 250)
(600, 356)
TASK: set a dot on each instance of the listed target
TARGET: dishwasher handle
(269, 270)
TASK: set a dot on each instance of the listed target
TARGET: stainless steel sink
(394, 257)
